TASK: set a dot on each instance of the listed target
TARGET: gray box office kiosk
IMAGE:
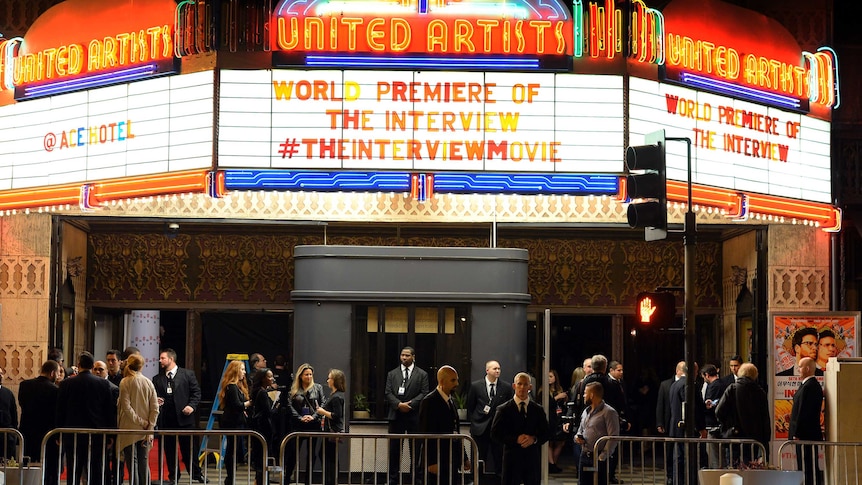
(335, 283)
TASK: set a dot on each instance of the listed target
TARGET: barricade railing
(659, 461)
(822, 461)
(373, 458)
(92, 453)
(12, 461)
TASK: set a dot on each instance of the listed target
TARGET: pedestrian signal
(656, 309)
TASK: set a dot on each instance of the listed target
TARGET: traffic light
(646, 186)
(656, 309)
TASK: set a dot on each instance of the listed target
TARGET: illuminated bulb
(709, 210)
(27, 211)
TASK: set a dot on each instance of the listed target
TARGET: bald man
(437, 415)
(482, 401)
(805, 421)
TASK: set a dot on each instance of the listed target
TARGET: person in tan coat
(137, 409)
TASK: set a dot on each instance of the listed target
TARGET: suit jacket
(508, 424)
(662, 408)
(477, 399)
(86, 401)
(805, 414)
(677, 398)
(38, 400)
(415, 390)
(438, 416)
(187, 392)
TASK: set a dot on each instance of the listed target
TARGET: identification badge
(486, 409)
(170, 390)
(401, 391)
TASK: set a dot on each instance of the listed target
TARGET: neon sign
(417, 32)
(79, 44)
(700, 51)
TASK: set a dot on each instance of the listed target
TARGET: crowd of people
(508, 425)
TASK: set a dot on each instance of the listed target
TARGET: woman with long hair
(233, 401)
(261, 419)
(557, 399)
(305, 397)
(137, 408)
(333, 411)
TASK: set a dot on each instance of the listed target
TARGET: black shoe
(201, 479)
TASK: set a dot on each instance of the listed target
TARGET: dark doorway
(573, 338)
(224, 333)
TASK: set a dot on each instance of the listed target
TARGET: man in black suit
(406, 385)
(521, 425)
(437, 415)
(662, 415)
(677, 426)
(114, 364)
(714, 390)
(8, 419)
(805, 421)
(38, 400)
(178, 394)
(484, 397)
(85, 401)
(734, 364)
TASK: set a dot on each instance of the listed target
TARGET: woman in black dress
(333, 411)
(261, 414)
(233, 402)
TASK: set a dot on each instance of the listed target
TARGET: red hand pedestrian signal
(647, 309)
(657, 310)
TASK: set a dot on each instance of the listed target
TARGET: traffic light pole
(689, 241)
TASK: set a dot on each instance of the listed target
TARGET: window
(440, 334)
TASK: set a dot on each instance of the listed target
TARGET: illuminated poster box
(411, 120)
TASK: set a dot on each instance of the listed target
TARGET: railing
(659, 461)
(822, 461)
(92, 454)
(371, 458)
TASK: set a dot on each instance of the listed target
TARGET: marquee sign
(149, 127)
(430, 121)
(737, 144)
(80, 44)
(522, 34)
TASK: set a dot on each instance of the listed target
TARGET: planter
(462, 414)
(752, 477)
(32, 476)
(361, 414)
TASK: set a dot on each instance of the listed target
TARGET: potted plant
(361, 409)
(460, 405)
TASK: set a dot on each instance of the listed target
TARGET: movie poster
(819, 336)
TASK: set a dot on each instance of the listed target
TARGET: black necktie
(406, 376)
(523, 409)
(492, 393)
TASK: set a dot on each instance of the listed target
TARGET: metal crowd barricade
(363, 458)
(659, 461)
(822, 461)
(13, 465)
(90, 453)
